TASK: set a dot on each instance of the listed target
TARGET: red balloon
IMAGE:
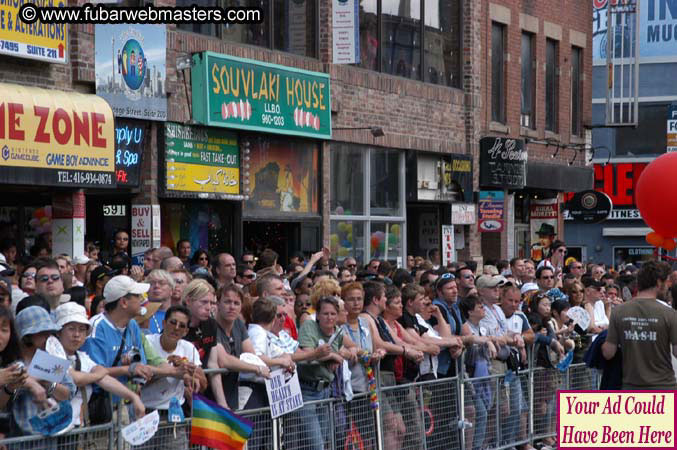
(654, 239)
(655, 195)
(669, 245)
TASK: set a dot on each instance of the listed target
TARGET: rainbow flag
(217, 427)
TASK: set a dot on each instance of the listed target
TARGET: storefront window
(347, 164)
(365, 232)
(385, 183)
(347, 239)
(284, 177)
(207, 225)
(385, 241)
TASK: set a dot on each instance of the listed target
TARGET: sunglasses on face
(28, 275)
(351, 266)
(547, 277)
(46, 278)
(251, 276)
(203, 258)
(249, 262)
(176, 324)
(561, 250)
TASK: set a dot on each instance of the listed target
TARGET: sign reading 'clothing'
(245, 94)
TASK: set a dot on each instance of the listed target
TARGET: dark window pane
(497, 74)
(443, 42)
(347, 180)
(385, 183)
(527, 100)
(401, 48)
(294, 24)
(576, 90)
(368, 35)
(203, 28)
(649, 138)
(551, 85)
(252, 34)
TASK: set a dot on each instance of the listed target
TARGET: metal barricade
(493, 412)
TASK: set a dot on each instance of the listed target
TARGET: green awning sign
(250, 95)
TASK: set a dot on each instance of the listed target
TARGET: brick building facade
(416, 117)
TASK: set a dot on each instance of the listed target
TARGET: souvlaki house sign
(245, 94)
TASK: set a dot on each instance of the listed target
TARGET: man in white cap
(115, 341)
(75, 327)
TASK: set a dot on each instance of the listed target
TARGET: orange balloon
(669, 244)
(654, 239)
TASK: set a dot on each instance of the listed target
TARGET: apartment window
(576, 90)
(528, 82)
(417, 39)
(497, 72)
(288, 25)
(551, 85)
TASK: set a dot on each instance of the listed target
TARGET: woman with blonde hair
(200, 299)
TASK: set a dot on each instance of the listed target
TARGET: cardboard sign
(48, 367)
(284, 396)
(136, 433)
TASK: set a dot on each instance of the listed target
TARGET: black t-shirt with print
(203, 337)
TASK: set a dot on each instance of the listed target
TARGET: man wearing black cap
(594, 305)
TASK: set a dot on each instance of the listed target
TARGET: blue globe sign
(133, 63)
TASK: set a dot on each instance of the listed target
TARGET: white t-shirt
(157, 394)
(430, 362)
(86, 366)
(264, 344)
(599, 313)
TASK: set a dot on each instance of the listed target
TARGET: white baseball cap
(81, 259)
(70, 312)
(121, 285)
(526, 287)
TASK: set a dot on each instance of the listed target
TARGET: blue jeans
(511, 425)
(314, 418)
(481, 407)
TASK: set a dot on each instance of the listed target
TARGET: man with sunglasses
(158, 394)
(545, 278)
(351, 264)
(245, 276)
(249, 259)
(48, 282)
(466, 282)
(577, 269)
(447, 302)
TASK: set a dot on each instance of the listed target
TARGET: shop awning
(55, 138)
(559, 178)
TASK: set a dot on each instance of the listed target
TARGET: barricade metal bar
(426, 415)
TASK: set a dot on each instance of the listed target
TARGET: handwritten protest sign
(136, 433)
(283, 396)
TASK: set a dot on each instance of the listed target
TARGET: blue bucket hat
(34, 320)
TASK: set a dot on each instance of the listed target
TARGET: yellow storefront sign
(199, 178)
(42, 41)
(47, 129)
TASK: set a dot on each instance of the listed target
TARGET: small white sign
(345, 31)
(284, 396)
(48, 367)
(463, 213)
(136, 433)
(448, 245)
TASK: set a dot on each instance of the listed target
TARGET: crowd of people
(146, 333)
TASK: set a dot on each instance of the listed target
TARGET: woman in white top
(72, 318)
